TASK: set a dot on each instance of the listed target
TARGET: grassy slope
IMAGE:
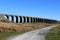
(19, 27)
(54, 34)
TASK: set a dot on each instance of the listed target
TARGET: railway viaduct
(24, 19)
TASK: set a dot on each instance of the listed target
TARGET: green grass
(54, 34)
(53, 37)
(4, 35)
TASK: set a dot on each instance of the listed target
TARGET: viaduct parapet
(24, 19)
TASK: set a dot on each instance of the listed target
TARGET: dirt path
(38, 34)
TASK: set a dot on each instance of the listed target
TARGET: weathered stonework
(24, 19)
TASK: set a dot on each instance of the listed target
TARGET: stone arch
(6, 17)
(27, 19)
(33, 19)
(12, 18)
(24, 19)
(16, 19)
(36, 20)
(41, 20)
(20, 19)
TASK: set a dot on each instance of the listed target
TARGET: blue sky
(37, 8)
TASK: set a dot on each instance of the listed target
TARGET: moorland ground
(10, 29)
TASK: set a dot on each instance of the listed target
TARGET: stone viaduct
(24, 19)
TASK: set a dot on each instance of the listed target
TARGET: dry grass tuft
(16, 27)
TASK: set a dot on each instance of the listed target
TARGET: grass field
(4, 35)
(7, 28)
(21, 26)
(54, 34)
